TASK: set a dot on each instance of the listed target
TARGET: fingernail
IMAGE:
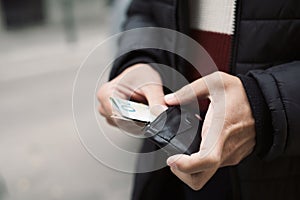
(169, 97)
(173, 165)
(199, 117)
(157, 109)
(171, 161)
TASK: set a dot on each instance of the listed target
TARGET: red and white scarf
(212, 23)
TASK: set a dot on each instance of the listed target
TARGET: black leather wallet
(176, 131)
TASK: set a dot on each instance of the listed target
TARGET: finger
(207, 121)
(155, 97)
(105, 107)
(104, 114)
(110, 122)
(102, 111)
(212, 131)
(194, 163)
(189, 93)
(126, 92)
(195, 181)
(187, 178)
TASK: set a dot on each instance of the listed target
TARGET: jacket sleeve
(274, 96)
(139, 15)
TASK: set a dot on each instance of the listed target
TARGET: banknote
(131, 110)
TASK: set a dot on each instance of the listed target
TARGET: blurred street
(41, 157)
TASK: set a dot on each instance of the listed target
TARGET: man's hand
(140, 83)
(228, 133)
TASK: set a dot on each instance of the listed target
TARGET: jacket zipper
(232, 70)
(233, 50)
(182, 23)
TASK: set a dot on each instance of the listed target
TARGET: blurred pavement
(40, 154)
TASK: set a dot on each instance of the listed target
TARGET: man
(256, 45)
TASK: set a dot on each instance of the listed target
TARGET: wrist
(261, 114)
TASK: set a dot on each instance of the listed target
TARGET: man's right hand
(140, 83)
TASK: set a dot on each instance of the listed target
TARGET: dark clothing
(265, 50)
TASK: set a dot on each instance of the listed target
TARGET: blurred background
(42, 43)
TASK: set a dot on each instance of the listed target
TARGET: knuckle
(196, 183)
(101, 111)
(195, 187)
(183, 166)
(213, 160)
(187, 166)
(235, 162)
(101, 91)
(106, 89)
(111, 122)
(183, 92)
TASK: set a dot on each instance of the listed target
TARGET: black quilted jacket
(265, 50)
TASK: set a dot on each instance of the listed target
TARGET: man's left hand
(228, 133)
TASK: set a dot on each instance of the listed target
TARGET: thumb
(192, 92)
(155, 97)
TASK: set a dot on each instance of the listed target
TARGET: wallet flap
(175, 130)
